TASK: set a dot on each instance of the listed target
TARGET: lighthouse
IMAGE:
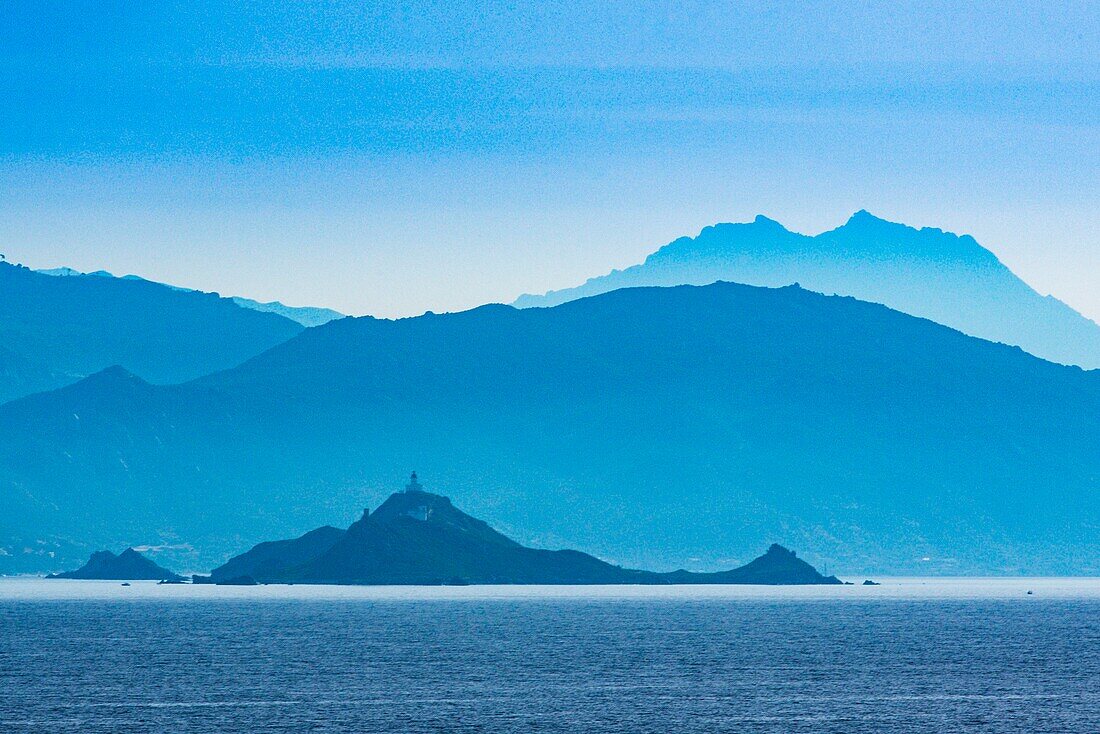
(413, 485)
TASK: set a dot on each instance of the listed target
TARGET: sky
(387, 159)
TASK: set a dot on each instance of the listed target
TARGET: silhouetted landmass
(655, 426)
(128, 565)
(420, 538)
(927, 272)
(58, 330)
(269, 558)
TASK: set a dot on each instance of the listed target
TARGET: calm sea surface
(911, 655)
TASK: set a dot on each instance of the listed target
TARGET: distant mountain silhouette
(126, 566)
(420, 538)
(655, 427)
(927, 272)
(57, 330)
(304, 315)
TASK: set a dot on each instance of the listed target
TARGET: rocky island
(129, 565)
(419, 538)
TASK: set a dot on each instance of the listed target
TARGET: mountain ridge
(675, 423)
(56, 330)
(305, 315)
(926, 272)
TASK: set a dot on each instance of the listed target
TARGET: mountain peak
(721, 241)
(864, 215)
(116, 373)
(760, 223)
(864, 219)
(412, 503)
(428, 508)
(127, 565)
(926, 272)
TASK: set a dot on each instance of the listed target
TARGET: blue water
(909, 656)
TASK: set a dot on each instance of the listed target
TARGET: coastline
(30, 589)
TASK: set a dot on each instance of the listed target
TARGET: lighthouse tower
(413, 485)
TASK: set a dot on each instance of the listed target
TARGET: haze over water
(910, 655)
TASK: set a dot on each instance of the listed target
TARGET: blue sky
(389, 160)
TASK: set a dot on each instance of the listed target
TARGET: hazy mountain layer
(57, 330)
(654, 427)
(928, 272)
(304, 315)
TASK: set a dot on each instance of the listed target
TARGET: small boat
(125, 583)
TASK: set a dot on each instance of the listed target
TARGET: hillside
(652, 427)
(57, 330)
(927, 272)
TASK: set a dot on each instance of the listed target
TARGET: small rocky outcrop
(129, 565)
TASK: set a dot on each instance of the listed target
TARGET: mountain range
(923, 272)
(304, 315)
(652, 427)
(57, 330)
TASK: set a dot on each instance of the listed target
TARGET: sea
(909, 655)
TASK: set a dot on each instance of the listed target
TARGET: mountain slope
(57, 330)
(929, 273)
(266, 560)
(655, 427)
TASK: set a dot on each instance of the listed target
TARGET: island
(129, 565)
(419, 538)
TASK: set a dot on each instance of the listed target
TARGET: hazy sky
(389, 160)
